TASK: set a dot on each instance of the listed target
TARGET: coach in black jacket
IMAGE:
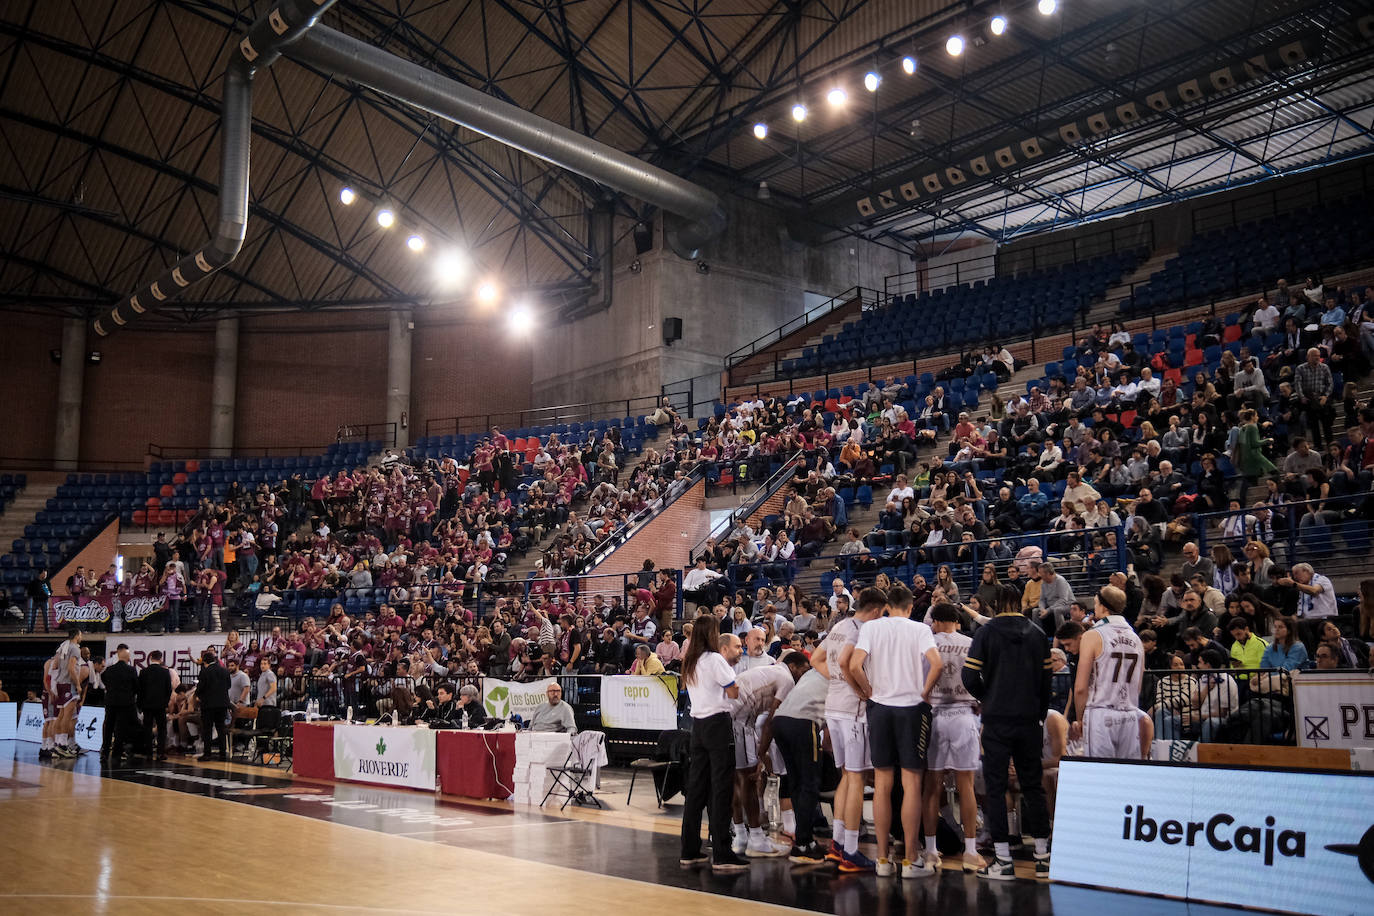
(154, 693)
(1008, 670)
(121, 702)
(212, 689)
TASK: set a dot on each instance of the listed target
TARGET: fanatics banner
(389, 756)
(634, 701)
(101, 609)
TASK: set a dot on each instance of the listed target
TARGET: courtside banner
(1280, 840)
(403, 757)
(30, 726)
(90, 727)
(9, 721)
(503, 699)
(634, 701)
(180, 652)
(1334, 708)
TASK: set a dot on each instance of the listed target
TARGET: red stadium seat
(166, 517)
(140, 517)
(1176, 375)
(1192, 358)
(1232, 333)
(178, 478)
(1127, 418)
(167, 490)
(518, 445)
(152, 502)
(1190, 341)
(192, 467)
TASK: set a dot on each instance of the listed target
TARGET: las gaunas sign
(1281, 840)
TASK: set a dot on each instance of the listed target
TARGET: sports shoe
(834, 853)
(700, 858)
(855, 862)
(45, 753)
(739, 844)
(762, 846)
(883, 867)
(918, 869)
(66, 750)
(974, 863)
(729, 864)
(1042, 865)
(810, 854)
(933, 859)
(998, 870)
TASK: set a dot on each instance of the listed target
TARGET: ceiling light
(998, 25)
(799, 112)
(872, 81)
(450, 268)
(837, 97)
(1047, 7)
(955, 44)
(347, 196)
(761, 131)
(415, 243)
(386, 219)
(486, 293)
(520, 320)
(909, 64)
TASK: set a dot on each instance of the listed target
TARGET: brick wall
(461, 369)
(771, 506)
(668, 539)
(29, 385)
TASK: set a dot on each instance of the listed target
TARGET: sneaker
(998, 870)
(973, 863)
(883, 867)
(933, 859)
(729, 864)
(67, 751)
(45, 753)
(856, 863)
(762, 846)
(700, 858)
(739, 844)
(810, 854)
(1042, 865)
(918, 869)
(834, 853)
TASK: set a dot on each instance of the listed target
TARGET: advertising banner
(30, 726)
(632, 701)
(90, 724)
(503, 699)
(1281, 840)
(1334, 708)
(180, 651)
(403, 757)
(91, 611)
(137, 610)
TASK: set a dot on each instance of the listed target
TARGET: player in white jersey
(954, 738)
(761, 690)
(66, 681)
(1111, 666)
(847, 726)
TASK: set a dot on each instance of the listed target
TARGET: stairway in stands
(1106, 309)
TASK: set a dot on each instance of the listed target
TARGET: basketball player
(66, 681)
(846, 722)
(48, 747)
(1111, 666)
(761, 691)
(954, 739)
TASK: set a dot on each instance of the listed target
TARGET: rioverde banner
(403, 757)
(503, 699)
(1334, 708)
(634, 701)
(1295, 841)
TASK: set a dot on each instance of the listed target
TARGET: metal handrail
(516, 419)
(801, 321)
(751, 503)
(612, 542)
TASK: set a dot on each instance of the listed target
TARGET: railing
(751, 503)
(368, 432)
(1268, 202)
(689, 394)
(616, 539)
(932, 276)
(1242, 706)
(160, 452)
(541, 416)
(865, 295)
(1306, 531)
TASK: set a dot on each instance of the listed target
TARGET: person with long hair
(1286, 651)
(710, 681)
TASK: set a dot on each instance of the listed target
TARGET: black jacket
(213, 686)
(154, 687)
(1008, 669)
(121, 685)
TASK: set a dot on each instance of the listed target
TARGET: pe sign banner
(1334, 708)
(9, 721)
(403, 757)
(30, 726)
(633, 701)
(1294, 841)
(503, 699)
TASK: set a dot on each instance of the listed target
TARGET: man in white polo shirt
(1316, 599)
(895, 665)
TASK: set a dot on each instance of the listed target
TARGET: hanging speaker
(644, 238)
(672, 330)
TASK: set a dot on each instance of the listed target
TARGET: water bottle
(772, 805)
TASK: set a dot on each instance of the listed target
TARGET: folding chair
(264, 727)
(570, 781)
(659, 767)
(281, 744)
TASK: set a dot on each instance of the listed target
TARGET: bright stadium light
(872, 81)
(909, 65)
(761, 131)
(520, 320)
(416, 243)
(1047, 7)
(449, 269)
(347, 196)
(955, 44)
(386, 219)
(998, 25)
(799, 112)
(486, 292)
(837, 97)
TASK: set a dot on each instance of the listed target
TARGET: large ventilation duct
(259, 48)
(290, 24)
(408, 82)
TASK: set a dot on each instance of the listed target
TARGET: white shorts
(955, 740)
(746, 744)
(849, 743)
(1111, 733)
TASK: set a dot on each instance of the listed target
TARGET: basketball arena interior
(727, 456)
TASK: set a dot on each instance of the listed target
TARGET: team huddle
(913, 708)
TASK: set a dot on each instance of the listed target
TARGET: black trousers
(158, 718)
(214, 729)
(710, 785)
(799, 741)
(1019, 742)
(123, 724)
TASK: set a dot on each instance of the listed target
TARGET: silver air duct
(400, 79)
